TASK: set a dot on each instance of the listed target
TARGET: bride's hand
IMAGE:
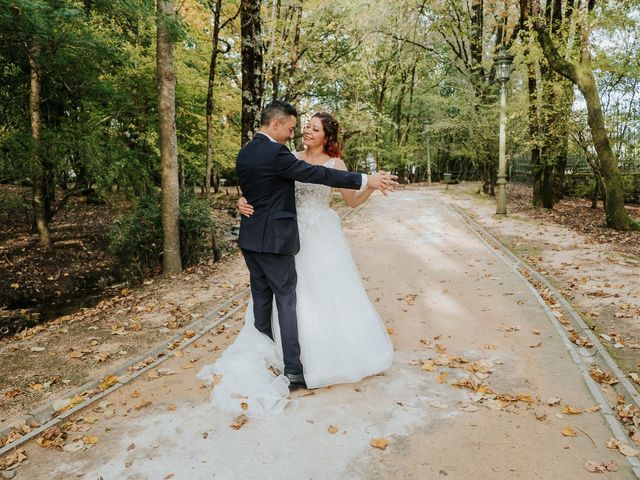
(244, 207)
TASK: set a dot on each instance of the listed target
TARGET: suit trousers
(275, 275)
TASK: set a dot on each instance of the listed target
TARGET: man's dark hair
(277, 109)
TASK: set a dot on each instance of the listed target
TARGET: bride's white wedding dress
(342, 338)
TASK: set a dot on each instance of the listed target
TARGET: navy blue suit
(269, 239)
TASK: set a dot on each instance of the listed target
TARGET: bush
(135, 239)
(14, 206)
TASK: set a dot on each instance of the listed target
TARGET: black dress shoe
(296, 380)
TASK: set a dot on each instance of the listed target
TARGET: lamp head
(503, 65)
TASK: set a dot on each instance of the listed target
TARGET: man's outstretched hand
(383, 181)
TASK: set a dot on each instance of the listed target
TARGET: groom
(267, 172)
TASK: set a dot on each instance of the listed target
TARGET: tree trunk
(252, 75)
(171, 261)
(39, 194)
(582, 75)
(216, 7)
(615, 213)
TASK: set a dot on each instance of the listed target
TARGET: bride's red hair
(331, 127)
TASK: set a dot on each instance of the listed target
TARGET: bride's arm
(352, 198)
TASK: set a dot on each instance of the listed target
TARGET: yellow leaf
(427, 366)
(332, 429)
(90, 439)
(108, 382)
(569, 410)
(172, 407)
(141, 405)
(381, 443)
(569, 432)
(244, 406)
(442, 377)
(239, 421)
(189, 334)
(187, 366)
(441, 348)
(390, 330)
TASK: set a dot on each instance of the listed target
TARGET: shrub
(135, 239)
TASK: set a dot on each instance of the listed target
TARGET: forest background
(120, 120)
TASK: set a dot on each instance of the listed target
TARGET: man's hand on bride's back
(383, 181)
(245, 207)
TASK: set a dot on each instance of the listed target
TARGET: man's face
(284, 128)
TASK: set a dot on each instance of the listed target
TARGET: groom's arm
(288, 166)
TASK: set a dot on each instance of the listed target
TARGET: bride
(342, 338)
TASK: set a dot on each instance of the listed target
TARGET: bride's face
(313, 134)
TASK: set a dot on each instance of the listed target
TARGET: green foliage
(135, 239)
(14, 207)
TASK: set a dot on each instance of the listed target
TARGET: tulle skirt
(342, 338)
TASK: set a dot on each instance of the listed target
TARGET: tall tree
(171, 261)
(41, 217)
(580, 72)
(218, 25)
(252, 66)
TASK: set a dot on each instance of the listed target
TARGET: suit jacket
(267, 172)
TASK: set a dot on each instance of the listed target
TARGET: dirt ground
(39, 285)
(481, 385)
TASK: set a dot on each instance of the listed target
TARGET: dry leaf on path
(239, 421)
(569, 432)
(142, 405)
(442, 377)
(332, 429)
(569, 410)
(90, 439)
(594, 466)
(381, 443)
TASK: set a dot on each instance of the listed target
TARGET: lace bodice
(312, 201)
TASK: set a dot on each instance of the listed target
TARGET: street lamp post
(503, 71)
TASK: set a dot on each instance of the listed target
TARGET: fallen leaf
(569, 410)
(627, 450)
(108, 382)
(90, 439)
(244, 406)
(390, 330)
(172, 407)
(569, 432)
(141, 405)
(594, 466)
(381, 443)
(239, 421)
(332, 429)
(442, 377)
(189, 334)
(536, 345)
(553, 401)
